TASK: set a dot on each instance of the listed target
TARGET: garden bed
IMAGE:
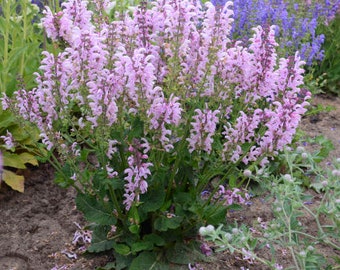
(37, 227)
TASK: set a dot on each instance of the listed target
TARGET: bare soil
(37, 226)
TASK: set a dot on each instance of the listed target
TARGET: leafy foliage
(21, 42)
(20, 147)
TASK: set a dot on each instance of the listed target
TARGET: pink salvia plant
(149, 69)
(157, 90)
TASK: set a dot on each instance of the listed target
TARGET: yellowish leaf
(13, 160)
(13, 180)
(29, 158)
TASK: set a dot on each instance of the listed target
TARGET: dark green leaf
(146, 261)
(155, 239)
(164, 223)
(94, 210)
(141, 246)
(121, 249)
(215, 214)
(134, 228)
(99, 240)
(178, 254)
(152, 200)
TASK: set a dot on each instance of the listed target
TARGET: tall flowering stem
(146, 110)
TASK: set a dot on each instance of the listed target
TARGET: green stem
(24, 31)
(7, 14)
(324, 237)
(230, 247)
(290, 236)
(115, 202)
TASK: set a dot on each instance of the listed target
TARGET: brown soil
(37, 226)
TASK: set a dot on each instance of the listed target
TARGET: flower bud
(288, 178)
(247, 173)
(300, 149)
(304, 155)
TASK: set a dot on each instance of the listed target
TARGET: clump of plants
(295, 209)
(156, 117)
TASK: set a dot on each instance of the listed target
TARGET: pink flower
(165, 114)
(230, 196)
(204, 126)
(137, 173)
(8, 140)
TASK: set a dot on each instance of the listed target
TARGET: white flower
(300, 149)
(234, 230)
(247, 173)
(202, 231)
(302, 253)
(210, 228)
(304, 155)
(288, 178)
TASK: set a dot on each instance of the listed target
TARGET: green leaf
(134, 228)
(141, 246)
(7, 119)
(122, 261)
(145, 260)
(100, 242)
(215, 214)
(137, 129)
(152, 200)
(164, 223)
(94, 210)
(235, 207)
(182, 198)
(121, 249)
(155, 239)
(180, 254)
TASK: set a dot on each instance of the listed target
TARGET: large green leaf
(155, 239)
(147, 261)
(94, 210)
(163, 223)
(141, 246)
(152, 200)
(7, 119)
(215, 214)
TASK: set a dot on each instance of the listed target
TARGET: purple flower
(204, 126)
(206, 249)
(8, 140)
(137, 173)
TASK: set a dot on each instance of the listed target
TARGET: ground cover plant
(294, 212)
(156, 118)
